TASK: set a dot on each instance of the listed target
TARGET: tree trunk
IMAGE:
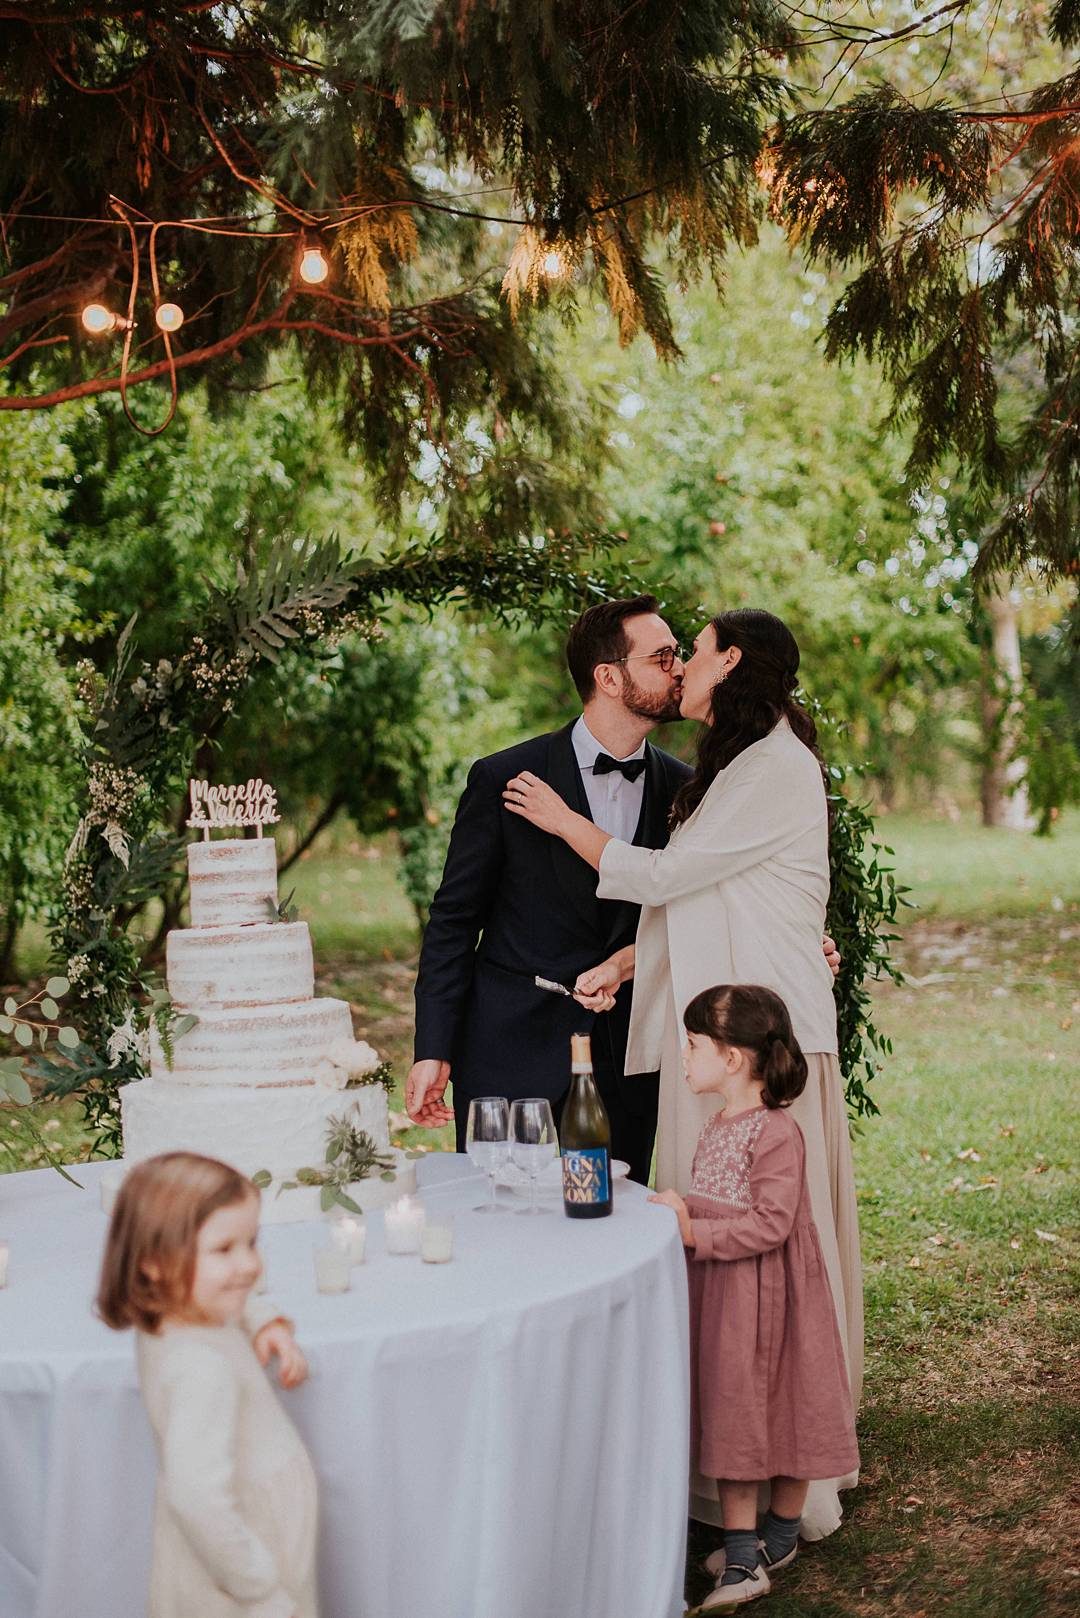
(1003, 792)
(9, 931)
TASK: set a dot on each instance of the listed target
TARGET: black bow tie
(630, 767)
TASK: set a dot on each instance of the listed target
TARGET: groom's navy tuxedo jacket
(514, 902)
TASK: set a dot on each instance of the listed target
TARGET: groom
(515, 904)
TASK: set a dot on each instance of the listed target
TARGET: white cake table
(504, 1436)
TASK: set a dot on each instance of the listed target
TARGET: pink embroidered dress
(770, 1392)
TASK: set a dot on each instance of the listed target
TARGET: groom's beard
(661, 709)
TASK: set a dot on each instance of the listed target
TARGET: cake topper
(253, 804)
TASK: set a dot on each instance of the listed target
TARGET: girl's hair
(750, 701)
(149, 1265)
(756, 1020)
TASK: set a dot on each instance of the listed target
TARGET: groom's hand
(424, 1091)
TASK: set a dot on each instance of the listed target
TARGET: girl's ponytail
(756, 1020)
(782, 1065)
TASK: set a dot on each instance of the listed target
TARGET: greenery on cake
(283, 910)
(169, 1024)
(351, 1155)
(383, 1074)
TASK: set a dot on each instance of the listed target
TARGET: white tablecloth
(504, 1436)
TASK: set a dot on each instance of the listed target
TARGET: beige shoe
(733, 1595)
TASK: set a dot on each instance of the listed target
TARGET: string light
(98, 320)
(169, 316)
(313, 266)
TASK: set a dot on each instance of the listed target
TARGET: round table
(503, 1436)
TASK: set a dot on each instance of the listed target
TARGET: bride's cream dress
(739, 896)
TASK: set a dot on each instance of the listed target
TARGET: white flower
(122, 1040)
(345, 1060)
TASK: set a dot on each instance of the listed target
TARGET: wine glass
(487, 1139)
(533, 1142)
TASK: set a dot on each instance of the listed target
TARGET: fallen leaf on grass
(1046, 1235)
(1006, 1130)
(969, 1155)
(916, 1263)
(1014, 1244)
(913, 1500)
(936, 1241)
(927, 1157)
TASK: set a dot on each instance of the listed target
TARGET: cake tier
(280, 1129)
(259, 965)
(254, 1045)
(233, 882)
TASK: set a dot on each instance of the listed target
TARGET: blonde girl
(235, 1514)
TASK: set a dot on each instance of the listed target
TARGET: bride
(738, 896)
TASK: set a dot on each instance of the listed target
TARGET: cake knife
(555, 988)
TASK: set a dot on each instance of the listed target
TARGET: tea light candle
(4, 1255)
(111, 1181)
(332, 1266)
(437, 1240)
(403, 1222)
(351, 1236)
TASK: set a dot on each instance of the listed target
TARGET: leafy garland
(146, 723)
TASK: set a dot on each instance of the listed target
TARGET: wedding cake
(258, 1072)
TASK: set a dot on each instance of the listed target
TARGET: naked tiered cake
(260, 1077)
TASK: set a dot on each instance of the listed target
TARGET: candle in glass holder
(351, 1236)
(403, 1222)
(332, 1267)
(437, 1240)
(5, 1252)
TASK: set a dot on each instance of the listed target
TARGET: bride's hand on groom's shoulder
(532, 799)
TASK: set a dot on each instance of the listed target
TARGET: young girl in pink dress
(235, 1514)
(770, 1399)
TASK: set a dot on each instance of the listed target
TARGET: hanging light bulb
(169, 316)
(97, 319)
(313, 266)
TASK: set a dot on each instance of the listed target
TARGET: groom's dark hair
(599, 636)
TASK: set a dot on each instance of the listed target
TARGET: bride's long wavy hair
(750, 701)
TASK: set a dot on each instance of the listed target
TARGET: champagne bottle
(585, 1140)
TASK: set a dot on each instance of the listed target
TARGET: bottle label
(585, 1175)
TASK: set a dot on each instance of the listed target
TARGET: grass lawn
(968, 1505)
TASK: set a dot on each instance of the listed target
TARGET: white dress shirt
(614, 802)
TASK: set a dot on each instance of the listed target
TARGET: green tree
(41, 625)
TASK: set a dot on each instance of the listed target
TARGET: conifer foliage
(423, 147)
(958, 226)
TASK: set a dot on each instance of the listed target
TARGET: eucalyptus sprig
(17, 1102)
(351, 1155)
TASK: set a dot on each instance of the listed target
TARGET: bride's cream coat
(738, 896)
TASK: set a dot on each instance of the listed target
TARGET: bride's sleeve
(753, 819)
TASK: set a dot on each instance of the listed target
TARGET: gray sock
(779, 1535)
(740, 1551)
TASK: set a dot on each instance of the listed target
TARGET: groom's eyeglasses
(665, 657)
